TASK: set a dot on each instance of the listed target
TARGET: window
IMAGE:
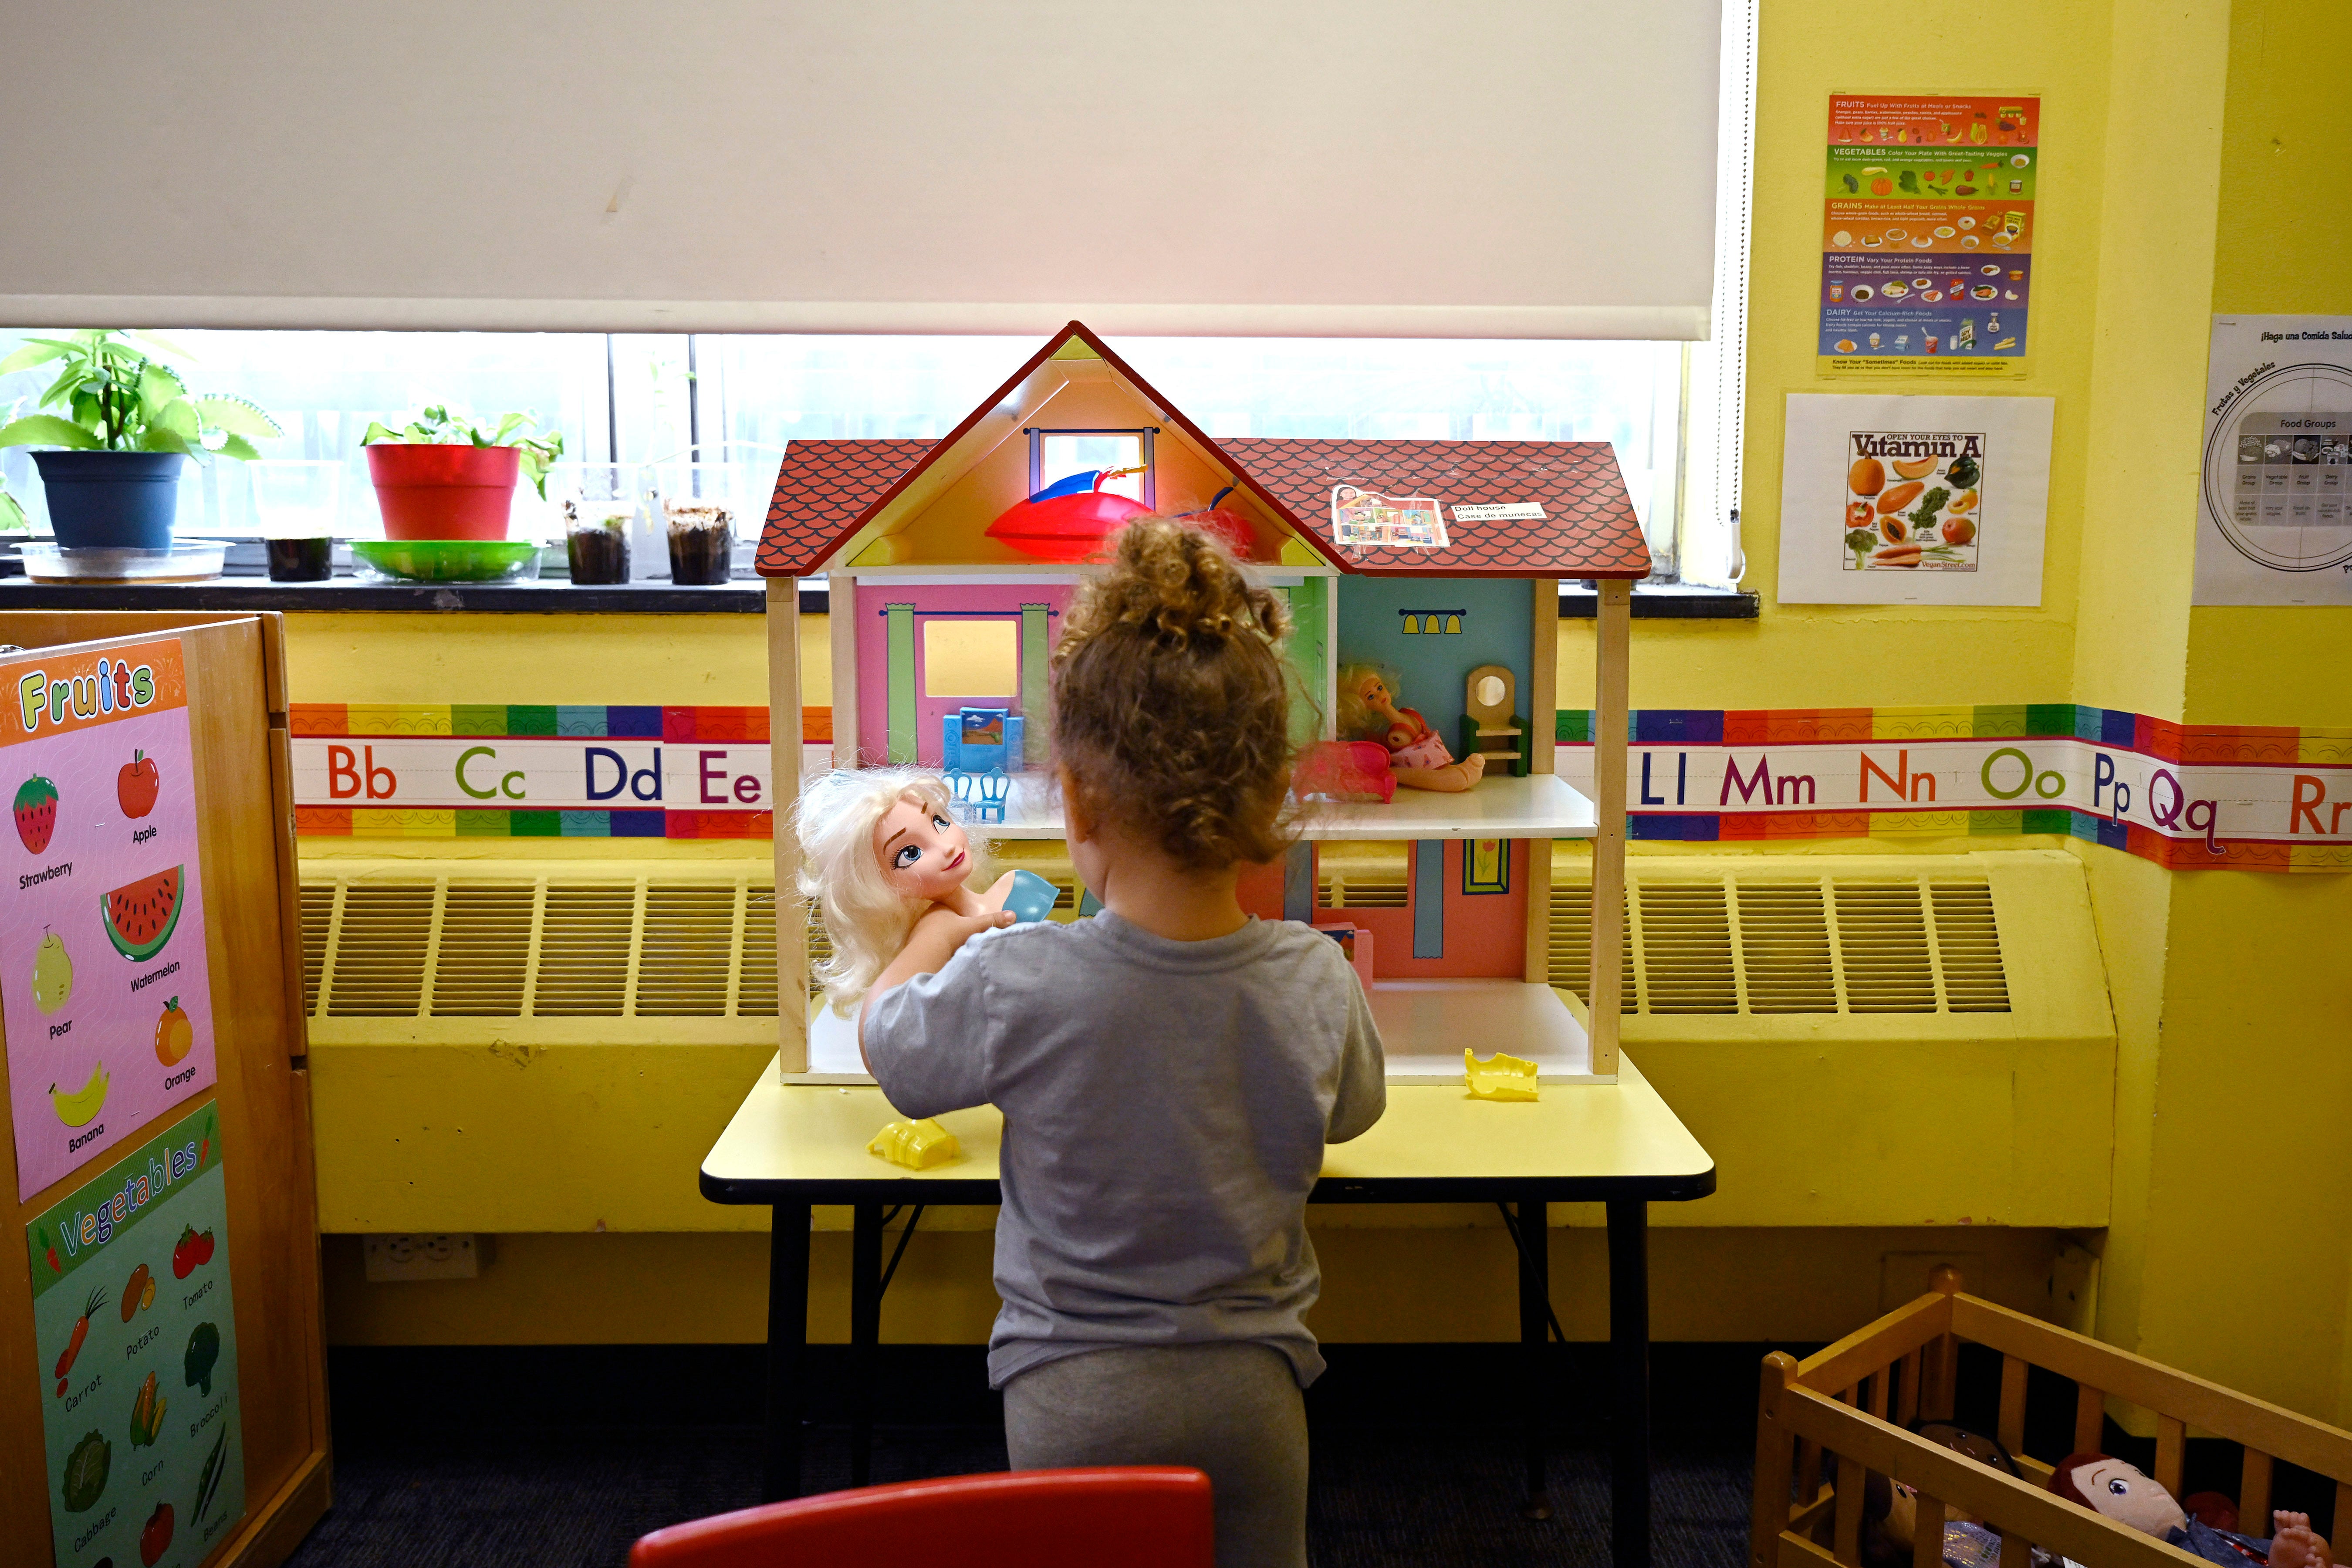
(1059, 454)
(971, 658)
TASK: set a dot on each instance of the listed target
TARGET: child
(1168, 1071)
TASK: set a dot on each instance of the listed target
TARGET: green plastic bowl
(450, 560)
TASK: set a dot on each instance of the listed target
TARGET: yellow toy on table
(1499, 1077)
(917, 1145)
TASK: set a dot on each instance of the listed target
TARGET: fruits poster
(136, 1343)
(1928, 236)
(2274, 522)
(104, 988)
(1913, 501)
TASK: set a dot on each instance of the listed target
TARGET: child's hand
(941, 930)
(998, 892)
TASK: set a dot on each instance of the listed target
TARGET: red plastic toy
(1229, 526)
(1069, 519)
(1345, 770)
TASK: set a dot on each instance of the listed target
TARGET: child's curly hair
(1171, 699)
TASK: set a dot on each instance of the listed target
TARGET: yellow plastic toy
(917, 1145)
(1499, 1077)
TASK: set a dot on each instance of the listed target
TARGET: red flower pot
(443, 492)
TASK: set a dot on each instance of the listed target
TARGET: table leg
(788, 1279)
(1534, 1317)
(865, 1333)
(1629, 1355)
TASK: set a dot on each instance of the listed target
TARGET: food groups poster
(103, 982)
(135, 1340)
(2274, 524)
(1925, 500)
(1928, 236)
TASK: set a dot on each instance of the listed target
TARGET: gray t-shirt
(1166, 1104)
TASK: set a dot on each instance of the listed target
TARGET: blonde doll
(1368, 711)
(879, 849)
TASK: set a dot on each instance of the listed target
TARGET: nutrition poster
(135, 1340)
(1913, 501)
(103, 980)
(2275, 520)
(1928, 236)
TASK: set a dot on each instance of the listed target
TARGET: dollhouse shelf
(1424, 1026)
(1541, 806)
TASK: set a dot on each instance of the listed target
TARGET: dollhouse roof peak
(861, 500)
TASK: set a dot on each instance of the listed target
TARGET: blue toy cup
(1030, 897)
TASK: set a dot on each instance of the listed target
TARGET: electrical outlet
(405, 1256)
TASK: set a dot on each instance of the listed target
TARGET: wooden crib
(1823, 1422)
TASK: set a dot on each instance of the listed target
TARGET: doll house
(1437, 562)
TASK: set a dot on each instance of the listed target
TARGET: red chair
(1138, 1517)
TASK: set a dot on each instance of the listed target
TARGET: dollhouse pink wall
(874, 653)
(1486, 933)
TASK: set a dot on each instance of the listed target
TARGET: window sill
(553, 596)
(1668, 601)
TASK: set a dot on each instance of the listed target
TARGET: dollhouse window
(971, 658)
(1057, 454)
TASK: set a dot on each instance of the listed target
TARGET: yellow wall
(2196, 162)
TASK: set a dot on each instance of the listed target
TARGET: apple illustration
(136, 784)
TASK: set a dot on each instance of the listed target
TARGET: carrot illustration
(80, 1332)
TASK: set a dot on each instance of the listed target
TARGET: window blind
(1514, 168)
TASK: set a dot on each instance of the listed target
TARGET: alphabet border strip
(2236, 797)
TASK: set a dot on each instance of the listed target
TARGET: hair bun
(1181, 583)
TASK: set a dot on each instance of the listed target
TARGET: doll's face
(1374, 691)
(923, 851)
(2123, 1494)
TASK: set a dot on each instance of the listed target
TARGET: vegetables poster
(104, 986)
(135, 1341)
(2275, 526)
(1928, 236)
(1913, 501)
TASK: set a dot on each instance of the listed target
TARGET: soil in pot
(112, 500)
(443, 492)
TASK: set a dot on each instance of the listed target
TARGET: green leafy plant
(114, 396)
(436, 427)
(12, 516)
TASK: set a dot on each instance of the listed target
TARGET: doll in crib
(1418, 760)
(879, 848)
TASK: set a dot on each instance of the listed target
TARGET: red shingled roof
(827, 490)
(1589, 529)
(822, 491)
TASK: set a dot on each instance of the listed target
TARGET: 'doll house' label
(103, 979)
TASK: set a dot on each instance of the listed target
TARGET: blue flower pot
(112, 500)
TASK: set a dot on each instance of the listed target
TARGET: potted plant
(444, 476)
(111, 459)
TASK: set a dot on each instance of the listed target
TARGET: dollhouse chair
(1139, 1517)
(1489, 728)
(982, 795)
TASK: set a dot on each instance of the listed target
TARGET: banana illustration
(81, 1107)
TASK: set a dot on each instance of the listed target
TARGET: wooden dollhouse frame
(898, 529)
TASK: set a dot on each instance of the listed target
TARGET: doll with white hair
(881, 848)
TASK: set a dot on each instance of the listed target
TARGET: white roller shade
(1490, 169)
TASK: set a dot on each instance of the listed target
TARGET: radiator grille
(1378, 891)
(591, 947)
(1760, 942)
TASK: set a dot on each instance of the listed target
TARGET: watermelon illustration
(36, 811)
(139, 918)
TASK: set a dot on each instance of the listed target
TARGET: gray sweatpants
(1230, 1409)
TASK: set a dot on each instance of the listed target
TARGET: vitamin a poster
(135, 1340)
(1928, 236)
(104, 988)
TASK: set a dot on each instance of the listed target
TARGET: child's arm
(934, 941)
(1363, 1091)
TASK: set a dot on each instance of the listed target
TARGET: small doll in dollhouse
(880, 848)
(1418, 760)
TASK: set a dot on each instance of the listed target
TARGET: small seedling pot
(112, 500)
(443, 492)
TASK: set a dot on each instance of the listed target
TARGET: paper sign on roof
(1366, 518)
(1500, 511)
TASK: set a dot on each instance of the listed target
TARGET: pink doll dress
(1426, 752)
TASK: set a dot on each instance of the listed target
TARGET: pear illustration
(52, 974)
